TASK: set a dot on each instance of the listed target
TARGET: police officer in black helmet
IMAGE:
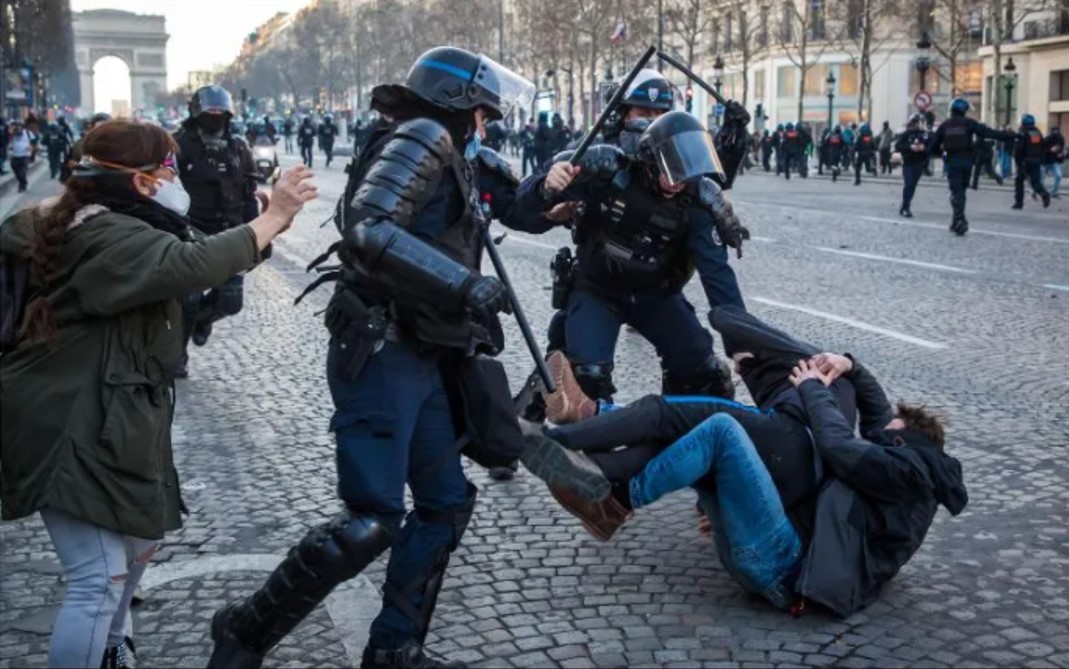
(955, 138)
(1028, 153)
(218, 171)
(410, 318)
(648, 223)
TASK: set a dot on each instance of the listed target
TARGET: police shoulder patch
(492, 160)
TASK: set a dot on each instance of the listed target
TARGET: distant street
(975, 327)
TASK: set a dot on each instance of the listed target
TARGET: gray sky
(204, 33)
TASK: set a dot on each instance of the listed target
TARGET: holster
(358, 329)
(563, 268)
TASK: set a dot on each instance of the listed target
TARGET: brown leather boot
(568, 403)
(601, 519)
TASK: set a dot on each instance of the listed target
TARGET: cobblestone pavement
(976, 327)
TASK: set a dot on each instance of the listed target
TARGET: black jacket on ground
(878, 503)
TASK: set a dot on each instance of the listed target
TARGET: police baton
(611, 106)
(517, 311)
(692, 76)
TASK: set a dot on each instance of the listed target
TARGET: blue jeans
(1055, 171)
(103, 569)
(393, 426)
(755, 540)
(1005, 159)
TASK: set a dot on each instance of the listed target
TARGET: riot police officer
(410, 321)
(1028, 153)
(328, 131)
(912, 145)
(646, 223)
(306, 138)
(57, 138)
(985, 157)
(954, 137)
(218, 172)
(834, 146)
(864, 152)
(792, 149)
(767, 144)
(777, 146)
(75, 154)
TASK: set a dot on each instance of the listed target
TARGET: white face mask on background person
(172, 195)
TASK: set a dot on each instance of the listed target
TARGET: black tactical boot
(408, 656)
(1046, 199)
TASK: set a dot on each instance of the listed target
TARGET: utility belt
(360, 330)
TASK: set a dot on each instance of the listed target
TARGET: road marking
(915, 263)
(767, 240)
(530, 242)
(972, 231)
(351, 606)
(860, 325)
(1054, 286)
(281, 252)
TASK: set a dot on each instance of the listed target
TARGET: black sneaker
(1017, 205)
(904, 212)
(560, 467)
(1046, 200)
(408, 656)
(123, 656)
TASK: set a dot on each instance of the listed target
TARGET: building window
(968, 78)
(932, 81)
(762, 37)
(759, 84)
(1059, 85)
(847, 84)
(786, 82)
(816, 19)
(787, 23)
(815, 78)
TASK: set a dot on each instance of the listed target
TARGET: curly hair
(121, 142)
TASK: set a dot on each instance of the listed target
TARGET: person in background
(1053, 159)
(20, 148)
(885, 142)
(86, 435)
(912, 145)
(1005, 155)
(1029, 155)
(287, 133)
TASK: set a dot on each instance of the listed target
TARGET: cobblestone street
(975, 327)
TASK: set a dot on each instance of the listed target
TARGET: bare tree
(947, 25)
(802, 34)
(867, 27)
(688, 22)
(1005, 16)
(749, 44)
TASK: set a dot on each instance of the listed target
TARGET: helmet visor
(504, 88)
(215, 99)
(687, 156)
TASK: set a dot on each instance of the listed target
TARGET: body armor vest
(214, 180)
(633, 241)
(1033, 145)
(957, 138)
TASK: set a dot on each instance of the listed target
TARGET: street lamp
(1011, 78)
(718, 73)
(830, 81)
(924, 59)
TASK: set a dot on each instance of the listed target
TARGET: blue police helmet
(790, 126)
(779, 127)
(959, 106)
(865, 129)
(1028, 120)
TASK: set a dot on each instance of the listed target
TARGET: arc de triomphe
(139, 40)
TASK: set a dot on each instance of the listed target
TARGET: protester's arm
(868, 468)
(874, 411)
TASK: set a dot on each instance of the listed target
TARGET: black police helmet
(649, 90)
(678, 144)
(211, 99)
(455, 79)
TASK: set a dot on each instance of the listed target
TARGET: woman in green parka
(85, 394)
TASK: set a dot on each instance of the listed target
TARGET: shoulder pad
(492, 161)
(709, 193)
(404, 174)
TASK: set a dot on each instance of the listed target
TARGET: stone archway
(138, 40)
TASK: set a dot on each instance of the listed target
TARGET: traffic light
(689, 94)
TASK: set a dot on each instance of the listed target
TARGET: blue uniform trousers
(393, 426)
(666, 320)
(911, 175)
(958, 170)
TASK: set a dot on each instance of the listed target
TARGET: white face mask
(172, 195)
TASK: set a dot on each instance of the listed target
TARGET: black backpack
(14, 294)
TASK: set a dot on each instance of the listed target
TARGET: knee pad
(344, 547)
(595, 379)
(230, 298)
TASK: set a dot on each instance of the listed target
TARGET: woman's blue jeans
(755, 540)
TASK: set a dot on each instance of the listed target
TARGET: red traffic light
(689, 92)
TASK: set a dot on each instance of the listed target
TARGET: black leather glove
(731, 229)
(486, 295)
(734, 113)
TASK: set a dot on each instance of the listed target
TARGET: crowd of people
(817, 494)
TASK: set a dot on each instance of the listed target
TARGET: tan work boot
(601, 518)
(568, 403)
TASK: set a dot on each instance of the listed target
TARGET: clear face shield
(503, 88)
(687, 156)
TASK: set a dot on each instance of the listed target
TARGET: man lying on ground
(877, 499)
